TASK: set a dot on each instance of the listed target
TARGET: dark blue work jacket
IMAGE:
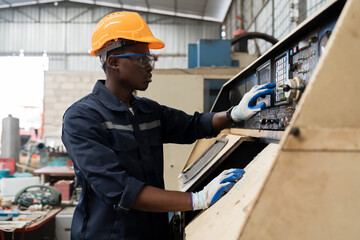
(116, 153)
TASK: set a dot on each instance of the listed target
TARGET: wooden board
(327, 139)
(309, 195)
(226, 218)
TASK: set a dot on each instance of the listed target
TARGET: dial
(323, 41)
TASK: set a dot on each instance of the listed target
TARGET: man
(115, 140)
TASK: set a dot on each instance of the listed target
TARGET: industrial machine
(290, 65)
(301, 153)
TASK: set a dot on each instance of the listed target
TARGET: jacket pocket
(126, 147)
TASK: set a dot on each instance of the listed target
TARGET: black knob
(295, 131)
(286, 88)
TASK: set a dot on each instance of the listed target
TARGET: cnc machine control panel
(290, 65)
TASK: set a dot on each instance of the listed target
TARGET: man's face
(131, 75)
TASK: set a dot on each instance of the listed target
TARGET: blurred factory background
(58, 33)
(46, 66)
(45, 63)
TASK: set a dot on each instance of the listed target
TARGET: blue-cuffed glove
(247, 107)
(216, 188)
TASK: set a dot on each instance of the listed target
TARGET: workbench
(54, 171)
(33, 226)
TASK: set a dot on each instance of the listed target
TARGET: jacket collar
(113, 103)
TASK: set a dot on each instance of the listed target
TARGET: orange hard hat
(122, 25)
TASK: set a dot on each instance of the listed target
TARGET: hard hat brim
(153, 42)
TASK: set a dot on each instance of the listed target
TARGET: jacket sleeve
(179, 127)
(87, 143)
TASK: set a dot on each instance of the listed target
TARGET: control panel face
(304, 60)
(290, 69)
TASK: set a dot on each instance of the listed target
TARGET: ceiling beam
(150, 10)
(18, 4)
(53, 14)
(7, 3)
(5, 19)
(80, 14)
(119, 5)
(26, 15)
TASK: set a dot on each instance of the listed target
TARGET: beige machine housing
(304, 182)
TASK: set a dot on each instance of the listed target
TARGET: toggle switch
(294, 67)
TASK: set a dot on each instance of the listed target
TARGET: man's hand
(247, 107)
(216, 188)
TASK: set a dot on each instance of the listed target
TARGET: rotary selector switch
(293, 88)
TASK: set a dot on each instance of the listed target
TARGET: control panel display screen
(264, 76)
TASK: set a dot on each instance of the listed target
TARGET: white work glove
(216, 188)
(247, 107)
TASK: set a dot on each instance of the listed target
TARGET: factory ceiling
(207, 10)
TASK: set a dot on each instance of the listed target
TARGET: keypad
(281, 77)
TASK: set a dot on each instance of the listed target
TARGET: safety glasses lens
(147, 59)
(142, 60)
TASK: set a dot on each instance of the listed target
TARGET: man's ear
(112, 62)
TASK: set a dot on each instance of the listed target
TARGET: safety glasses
(142, 60)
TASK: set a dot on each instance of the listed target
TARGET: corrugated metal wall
(314, 5)
(274, 17)
(64, 31)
